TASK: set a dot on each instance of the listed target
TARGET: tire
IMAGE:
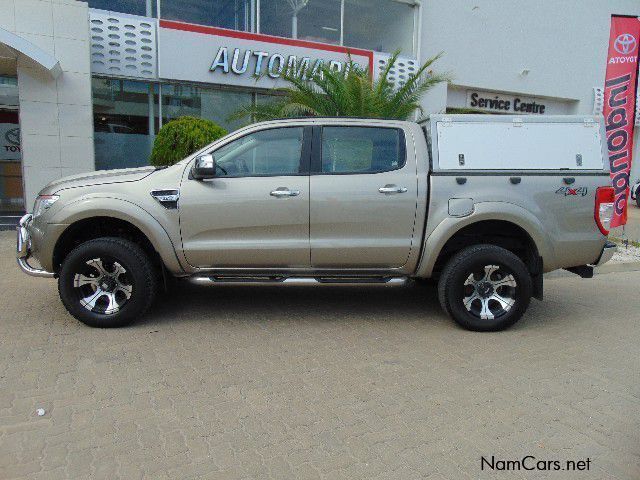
(425, 282)
(107, 282)
(475, 279)
(638, 197)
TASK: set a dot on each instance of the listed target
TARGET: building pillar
(56, 117)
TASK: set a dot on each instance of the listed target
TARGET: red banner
(619, 106)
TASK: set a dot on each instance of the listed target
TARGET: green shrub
(181, 137)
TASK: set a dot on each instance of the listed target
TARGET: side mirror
(205, 167)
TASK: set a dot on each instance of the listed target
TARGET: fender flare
(90, 206)
(484, 211)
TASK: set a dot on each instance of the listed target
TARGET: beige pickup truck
(483, 204)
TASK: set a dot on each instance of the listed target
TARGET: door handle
(284, 192)
(388, 189)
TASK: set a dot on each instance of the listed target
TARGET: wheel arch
(90, 218)
(501, 233)
(495, 223)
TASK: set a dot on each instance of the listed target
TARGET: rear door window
(358, 150)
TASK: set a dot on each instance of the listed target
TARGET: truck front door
(363, 191)
(255, 212)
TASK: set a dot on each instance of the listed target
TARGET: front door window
(268, 152)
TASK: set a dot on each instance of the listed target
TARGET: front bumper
(607, 252)
(24, 249)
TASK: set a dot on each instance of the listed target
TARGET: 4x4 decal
(566, 191)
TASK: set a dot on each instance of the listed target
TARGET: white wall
(487, 43)
(56, 118)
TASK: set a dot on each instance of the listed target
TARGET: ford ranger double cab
(483, 204)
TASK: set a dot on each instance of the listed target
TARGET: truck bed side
(555, 207)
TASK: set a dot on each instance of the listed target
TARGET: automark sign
(214, 55)
(261, 63)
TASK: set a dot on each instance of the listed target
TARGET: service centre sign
(197, 53)
(501, 103)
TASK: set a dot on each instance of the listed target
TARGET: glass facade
(11, 192)
(211, 103)
(8, 91)
(313, 20)
(233, 14)
(126, 115)
(124, 122)
(145, 8)
(322, 21)
(379, 25)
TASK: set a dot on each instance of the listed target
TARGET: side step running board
(297, 281)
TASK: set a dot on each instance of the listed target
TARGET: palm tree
(332, 93)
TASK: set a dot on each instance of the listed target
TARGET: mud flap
(537, 277)
(537, 286)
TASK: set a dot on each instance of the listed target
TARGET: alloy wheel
(490, 293)
(103, 286)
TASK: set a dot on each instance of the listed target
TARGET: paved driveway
(331, 383)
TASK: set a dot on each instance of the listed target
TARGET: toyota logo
(13, 136)
(625, 44)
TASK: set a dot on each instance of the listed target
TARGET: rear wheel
(107, 282)
(485, 288)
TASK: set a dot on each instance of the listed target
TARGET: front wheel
(107, 282)
(485, 288)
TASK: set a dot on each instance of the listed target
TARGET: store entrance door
(11, 190)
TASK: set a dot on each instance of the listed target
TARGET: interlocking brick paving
(329, 383)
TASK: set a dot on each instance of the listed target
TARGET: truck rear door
(363, 193)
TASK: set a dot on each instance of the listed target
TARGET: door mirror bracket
(204, 167)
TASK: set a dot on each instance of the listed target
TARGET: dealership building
(86, 85)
